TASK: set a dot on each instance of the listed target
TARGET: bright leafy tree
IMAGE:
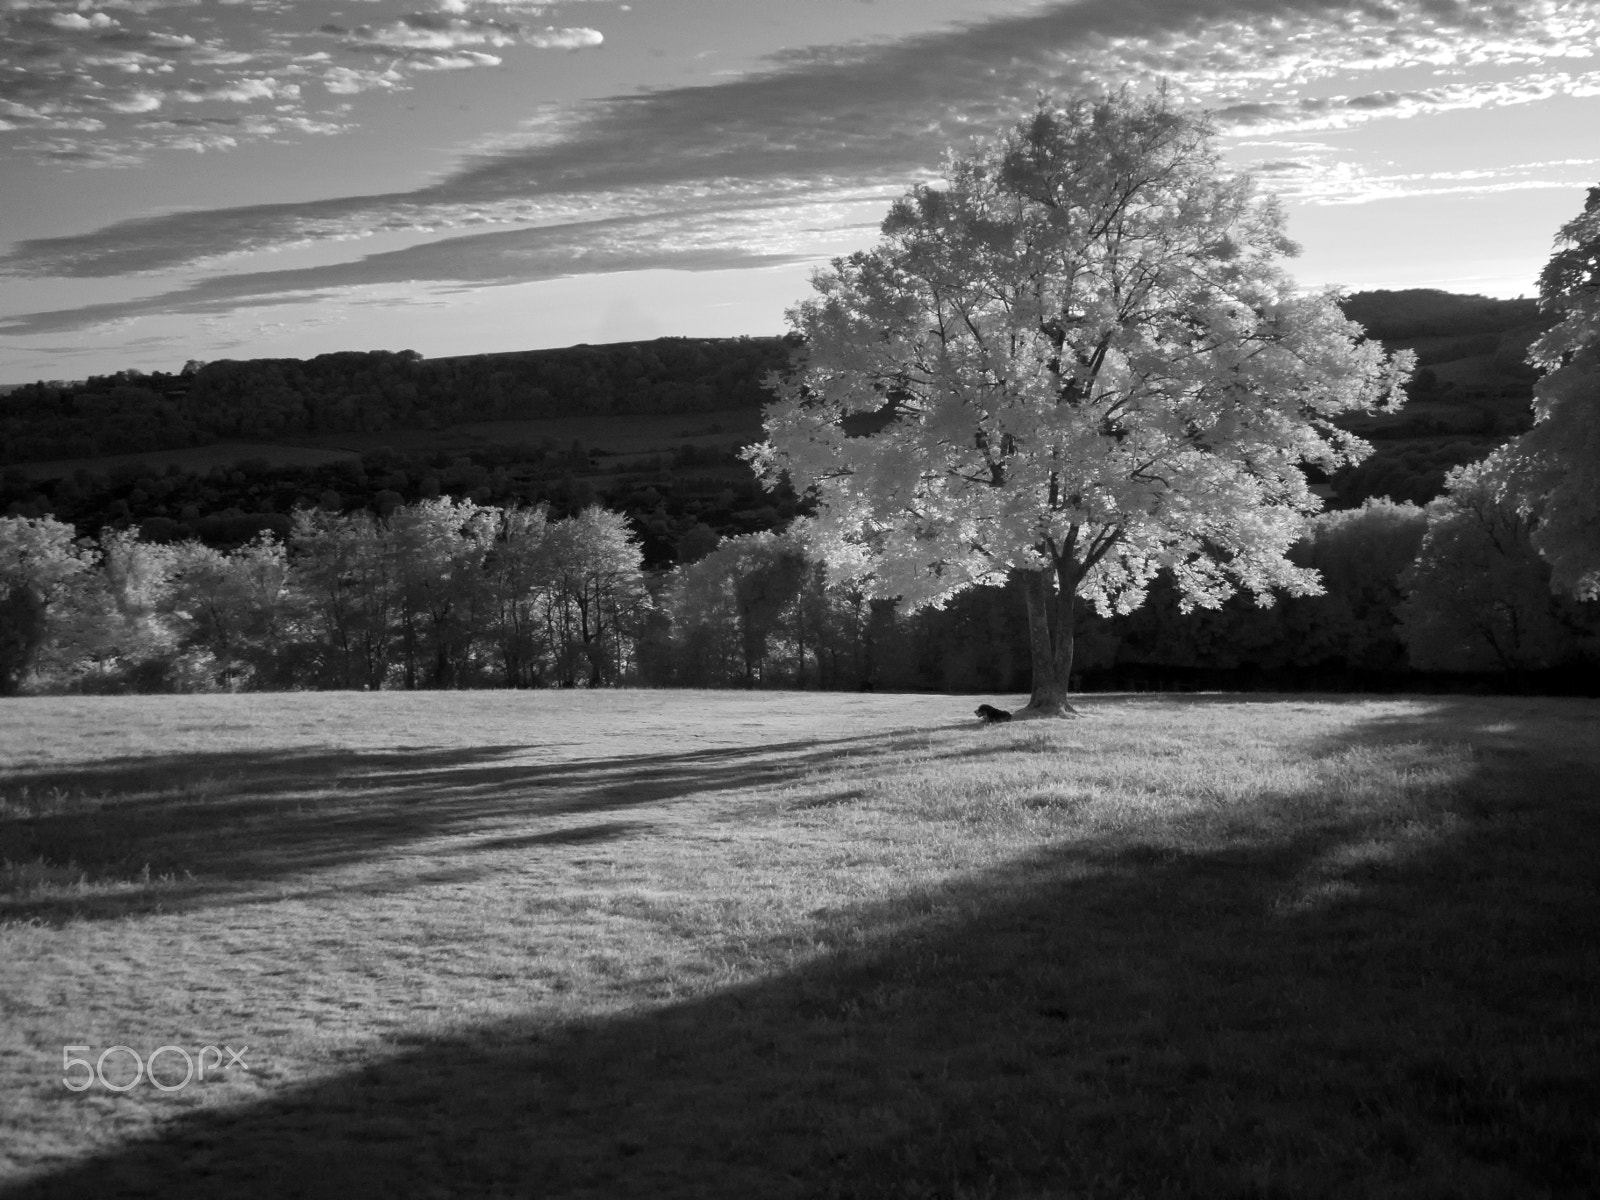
(438, 548)
(1078, 358)
(598, 594)
(1553, 471)
(121, 634)
(518, 580)
(231, 605)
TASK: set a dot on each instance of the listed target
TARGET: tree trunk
(1050, 640)
(408, 644)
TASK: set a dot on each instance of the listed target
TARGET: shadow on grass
(183, 830)
(1113, 1020)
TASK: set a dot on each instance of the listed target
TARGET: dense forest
(377, 391)
(723, 595)
(447, 593)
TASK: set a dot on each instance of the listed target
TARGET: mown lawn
(664, 944)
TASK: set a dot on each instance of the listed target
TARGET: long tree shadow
(204, 825)
(1115, 1019)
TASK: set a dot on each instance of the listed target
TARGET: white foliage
(1078, 353)
(1552, 472)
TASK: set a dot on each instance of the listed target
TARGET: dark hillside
(1472, 389)
(378, 391)
(1415, 313)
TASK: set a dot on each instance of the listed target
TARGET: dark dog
(989, 714)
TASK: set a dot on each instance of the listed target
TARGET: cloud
(1342, 112)
(425, 31)
(455, 60)
(713, 241)
(347, 81)
(198, 135)
(239, 91)
(933, 88)
(80, 154)
(551, 38)
(63, 61)
(135, 102)
(426, 39)
(76, 20)
(1321, 180)
(535, 7)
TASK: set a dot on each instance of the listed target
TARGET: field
(633, 433)
(628, 434)
(193, 459)
(664, 944)
(631, 436)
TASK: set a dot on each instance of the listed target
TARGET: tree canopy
(1078, 357)
(1553, 471)
(1477, 596)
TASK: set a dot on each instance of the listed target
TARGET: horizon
(11, 385)
(496, 176)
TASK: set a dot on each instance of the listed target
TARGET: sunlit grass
(783, 944)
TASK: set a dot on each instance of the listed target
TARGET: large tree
(519, 576)
(1552, 472)
(439, 547)
(1076, 358)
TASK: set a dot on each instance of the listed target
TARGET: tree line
(448, 593)
(440, 593)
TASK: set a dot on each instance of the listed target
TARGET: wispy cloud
(347, 81)
(711, 240)
(421, 37)
(1323, 179)
(1342, 112)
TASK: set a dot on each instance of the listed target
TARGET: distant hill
(379, 391)
(1475, 347)
(1472, 390)
(1416, 313)
(1473, 387)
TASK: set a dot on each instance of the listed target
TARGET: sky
(208, 179)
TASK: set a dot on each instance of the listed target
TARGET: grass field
(194, 459)
(675, 944)
(630, 435)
